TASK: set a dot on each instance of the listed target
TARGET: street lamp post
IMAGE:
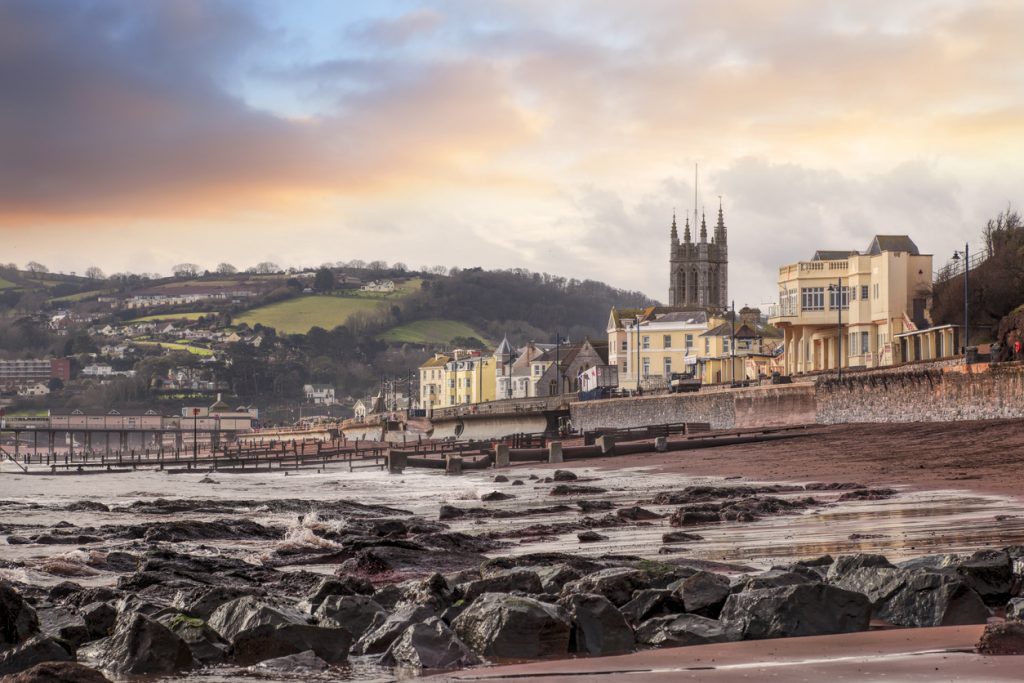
(837, 291)
(195, 435)
(638, 354)
(967, 270)
(732, 348)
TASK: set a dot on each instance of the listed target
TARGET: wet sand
(984, 457)
(897, 656)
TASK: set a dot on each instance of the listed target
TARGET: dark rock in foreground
(917, 597)
(504, 626)
(1002, 639)
(18, 621)
(58, 672)
(429, 645)
(35, 650)
(682, 630)
(803, 610)
(143, 646)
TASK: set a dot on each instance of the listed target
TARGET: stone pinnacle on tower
(675, 233)
(703, 228)
(686, 231)
(720, 232)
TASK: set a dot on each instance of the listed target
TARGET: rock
(704, 594)
(847, 563)
(35, 650)
(258, 631)
(598, 628)
(684, 517)
(617, 584)
(434, 592)
(18, 621)
(867, 494)
(496, 495)
(354, 613)
(576, 490)
(347, 585)
(682, 630)
(500, 479)
(518, 482)
(385, 629)
(636, 513)
(820, 561)
(564, 475)
(208, 480)
(292, 665)
(507, 581)
(505, 626)
(554, 577)
(141, 645)
(590, 536)
(803, 610)
(208, 601)
(99, 618)
(773, 578)
(206, 645)
(450, 512)
(1006, 638)
(589, 506)
(1015, 609)
(917, 597)
(58, 672)
(680, 537)
(429, 645)
(651, 602)
(989, 573)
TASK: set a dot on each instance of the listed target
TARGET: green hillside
(6, 284)
(297, 316)
(434, 331)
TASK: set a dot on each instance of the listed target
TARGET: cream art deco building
(880, 292)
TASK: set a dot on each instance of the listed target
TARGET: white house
(37, 389)
(320, 394)
(97, 370)
(379, 286)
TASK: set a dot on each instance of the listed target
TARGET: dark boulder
(651, 602)
(1015, 609)
(502, 626)
(495, 496)
(65, 623)
(99, 618)
(590, 536)
(35, 650)
(990, 574)
(682, 630)
(386, 628)
(917, 597)
(704, 593)
(507, 581)
(598, 628)
(564, 475)
(258, 631)
(354, 613)
(140, 646)
(205, 602)
(1006, 638)
(617, 584)
(554, 577)
(680, 537)
(847, 563)
(773, 578)
(685, 517)
(576, 490)
(429, 645)
(18, 621)
(636, 513)
(58, 672)
(303, 663)
(331, 586)
(804, 610)
(589, 506)
(433, 591)
(500, 479)
(207, 646)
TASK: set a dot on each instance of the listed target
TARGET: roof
(436, 361)
(694, 317)
(321, 387)
(882, 243)
(834, 254)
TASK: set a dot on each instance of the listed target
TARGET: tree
(377, 265)
(356, 263)
(185, 270)
(267, 268)
(55, 384)
(36, 268)
(324, 280)
(226, 269)
(399, 266)
(94, 273)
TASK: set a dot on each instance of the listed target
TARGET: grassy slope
(195, 315)
(174, 346)
(6, 284)
(430, 332)
(297, 316)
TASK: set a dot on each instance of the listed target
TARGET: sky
(553, 136)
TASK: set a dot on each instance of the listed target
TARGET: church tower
(699, 270)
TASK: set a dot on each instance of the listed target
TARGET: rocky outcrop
(143, 646)
(35, 650)
(617, 584)
(598, 628)
(506, 581)
(18, 621)
(917, 597)
(501, 626)
(704, 594)
(429, 645)
(354, 613)
(385, 629)
(58, 672)
(1006, 638)
(681, 630)
(802, 610)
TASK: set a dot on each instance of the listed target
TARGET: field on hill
(81, 296)
(433, 331)
(176, 346)
(194, 315)
(299, 315)
(6, 284)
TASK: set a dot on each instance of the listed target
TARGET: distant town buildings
(319, 394)
(16, 374)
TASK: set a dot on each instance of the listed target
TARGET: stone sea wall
(937, 392)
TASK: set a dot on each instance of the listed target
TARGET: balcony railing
(813, 268)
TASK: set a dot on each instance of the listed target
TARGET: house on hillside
(319, 394)
(378, 286)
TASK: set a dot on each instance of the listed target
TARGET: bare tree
(267, 267)
(185, 270)
(226, 269)
(399, 266)
(377, 265)
(94, 273)
(356, 263)
(36, 267)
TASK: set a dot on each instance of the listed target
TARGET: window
(647, 366)
(865, 343)
(536, 370)
(725, 345)
(707, 346)
(787, 302)
(467, 399)
(840, 299)
(876, 291)
(624, 345)
(646, 343)
(812, 298)
(469, 382)
(668, 367)
(864, 292)
(666, 341)
(451, 384)
(689, 341)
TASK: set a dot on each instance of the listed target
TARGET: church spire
(675, 233)
(703, 228)
(686, 231)
(720, 232)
